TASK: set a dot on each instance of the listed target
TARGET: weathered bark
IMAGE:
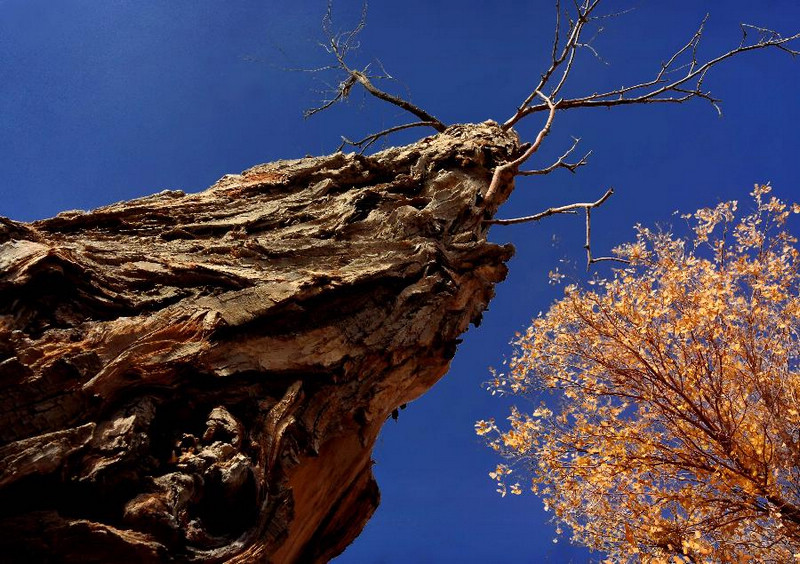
(202, 377)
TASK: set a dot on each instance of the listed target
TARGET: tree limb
(511, 169)
(662, 88)
(567, 209)
(560, 163)
(339, 45)
(566, 54)
(363, 144)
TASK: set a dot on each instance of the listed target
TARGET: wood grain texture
(202, 377)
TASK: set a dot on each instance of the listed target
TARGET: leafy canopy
(674, 435)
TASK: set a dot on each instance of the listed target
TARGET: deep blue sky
(103, 101)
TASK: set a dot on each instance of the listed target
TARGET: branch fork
(677, 80)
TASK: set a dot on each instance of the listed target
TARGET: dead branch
(339, 45)
(363, 144)
(560, 163)
(590, 260)
(508, 170)
(565, 56)
(664, 87)
(567, 209)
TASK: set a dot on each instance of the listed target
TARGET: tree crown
(674, 435)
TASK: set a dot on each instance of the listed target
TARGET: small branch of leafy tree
(674, 431)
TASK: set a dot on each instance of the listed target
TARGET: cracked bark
(202, 377)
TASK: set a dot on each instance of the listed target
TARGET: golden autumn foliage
(673, 432)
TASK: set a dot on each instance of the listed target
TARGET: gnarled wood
(202, 377)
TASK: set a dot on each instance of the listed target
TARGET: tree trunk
(202, 377)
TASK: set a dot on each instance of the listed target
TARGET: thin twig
(560, 163)
(364, 143)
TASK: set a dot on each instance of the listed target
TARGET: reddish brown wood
(202, 377)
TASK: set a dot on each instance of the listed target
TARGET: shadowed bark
(202, 377)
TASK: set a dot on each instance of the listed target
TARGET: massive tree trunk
(202, 377)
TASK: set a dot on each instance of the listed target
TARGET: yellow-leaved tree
(673, 432)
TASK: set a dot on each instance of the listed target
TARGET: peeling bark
(202, 377)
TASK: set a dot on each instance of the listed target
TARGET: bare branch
(339, 45)
(560, 163)
(511, 169)
(590, 260)
(588, 44)
(566, 54)
(363, 144)
(408, 106)
(569, 208)
(677, 80)
(662, 88)
(342, 92)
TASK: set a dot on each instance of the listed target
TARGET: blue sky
(104, 101)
